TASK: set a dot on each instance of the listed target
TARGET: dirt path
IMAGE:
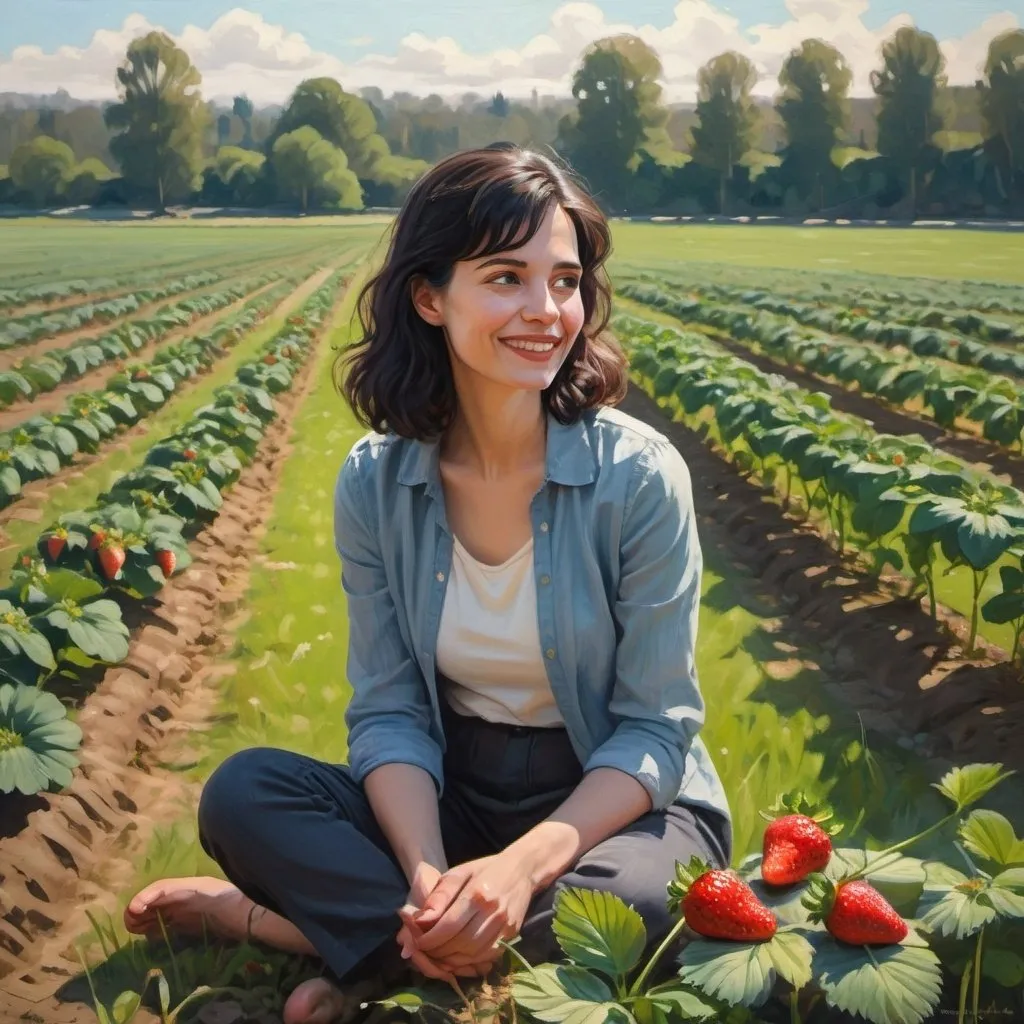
(884, 656)
(34, 494)
(72, 852)
(65, 339)
(886, 418)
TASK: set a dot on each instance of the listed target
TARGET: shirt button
(545, 580)
(543, 527)
(549, 653)
(440, 577)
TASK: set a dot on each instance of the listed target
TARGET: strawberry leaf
(988, 834)
(744, 973)
(596, 930)
(968, 784)
(957, 910)
(898, 984)
(555, 994)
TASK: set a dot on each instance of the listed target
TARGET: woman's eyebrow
(508, 261)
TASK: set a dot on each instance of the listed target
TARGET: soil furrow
(887, 660)
(35, 492)
(71, 852)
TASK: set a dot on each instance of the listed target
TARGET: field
(851, 406)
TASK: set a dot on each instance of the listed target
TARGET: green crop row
(62, 609)
(46, 372)
(41, 446)
(898, 499)
(33, 327)
(947, 393)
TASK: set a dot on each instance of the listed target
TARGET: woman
(522, 572)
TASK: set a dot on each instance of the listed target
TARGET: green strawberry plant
(37, 742)
(840, 928)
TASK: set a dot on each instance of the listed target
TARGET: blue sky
(450, 47)
(474, 23)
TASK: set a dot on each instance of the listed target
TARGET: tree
(908, 87)
(310, 168)
(813, 105)
(619, 113)
(86, 179)
(223, 129)
(161, 118)
(727, 116)
(499, 105)
(343, 119)
(42, 167)
(1002, 101)
(243, 110)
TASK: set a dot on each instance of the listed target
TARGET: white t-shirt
(488, 643)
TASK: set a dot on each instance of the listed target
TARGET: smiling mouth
(532, 346)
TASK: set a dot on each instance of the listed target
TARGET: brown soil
(68, 853)
(65, 339)
(34, 494)
(881, 652)
(54, 400)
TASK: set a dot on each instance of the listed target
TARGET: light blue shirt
(617, 564)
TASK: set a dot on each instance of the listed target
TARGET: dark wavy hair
(472, 204)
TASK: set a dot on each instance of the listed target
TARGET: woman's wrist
(545, 853)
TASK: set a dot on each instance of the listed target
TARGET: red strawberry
(166, 560)
(719, 904)
(270, 359)
(189, 454)
(55, 545)
(97, 538)
(794, 846)
(854, 911)
(111, 559)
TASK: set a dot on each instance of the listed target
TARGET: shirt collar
(570, 457)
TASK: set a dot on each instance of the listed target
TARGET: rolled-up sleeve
(656, 698)
(389, 713)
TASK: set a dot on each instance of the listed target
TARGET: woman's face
(512, 318)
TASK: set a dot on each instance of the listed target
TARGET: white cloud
(242, 52)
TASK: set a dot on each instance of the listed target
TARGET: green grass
(954, 254)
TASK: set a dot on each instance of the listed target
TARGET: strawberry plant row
(52, 292)
(62, 609)
(946, 393)
(41, 446)
(32, 327)
(897, 499)
(772, 316)
(806, 929)
(887, 322)
(40, 374)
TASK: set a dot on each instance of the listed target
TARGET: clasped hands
(453, 921)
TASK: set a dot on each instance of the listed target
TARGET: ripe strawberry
(97, 538)
(189, 454)
(270, 359)
(166, 560)
(55, 545)
(111, 559)
(854, 911)
(719, 904)
(794, 846)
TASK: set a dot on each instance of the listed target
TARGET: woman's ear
(426, 301)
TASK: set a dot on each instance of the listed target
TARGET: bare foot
(316, 1001)
(186, 903)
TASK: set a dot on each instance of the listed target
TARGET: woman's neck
(495, 434)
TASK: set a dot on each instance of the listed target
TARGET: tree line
(329, 149)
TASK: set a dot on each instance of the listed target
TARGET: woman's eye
(571, 278)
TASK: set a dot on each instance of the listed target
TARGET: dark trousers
(298, 836)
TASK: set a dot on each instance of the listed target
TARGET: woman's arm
(404, 802)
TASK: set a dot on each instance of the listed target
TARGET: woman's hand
(469, 910)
